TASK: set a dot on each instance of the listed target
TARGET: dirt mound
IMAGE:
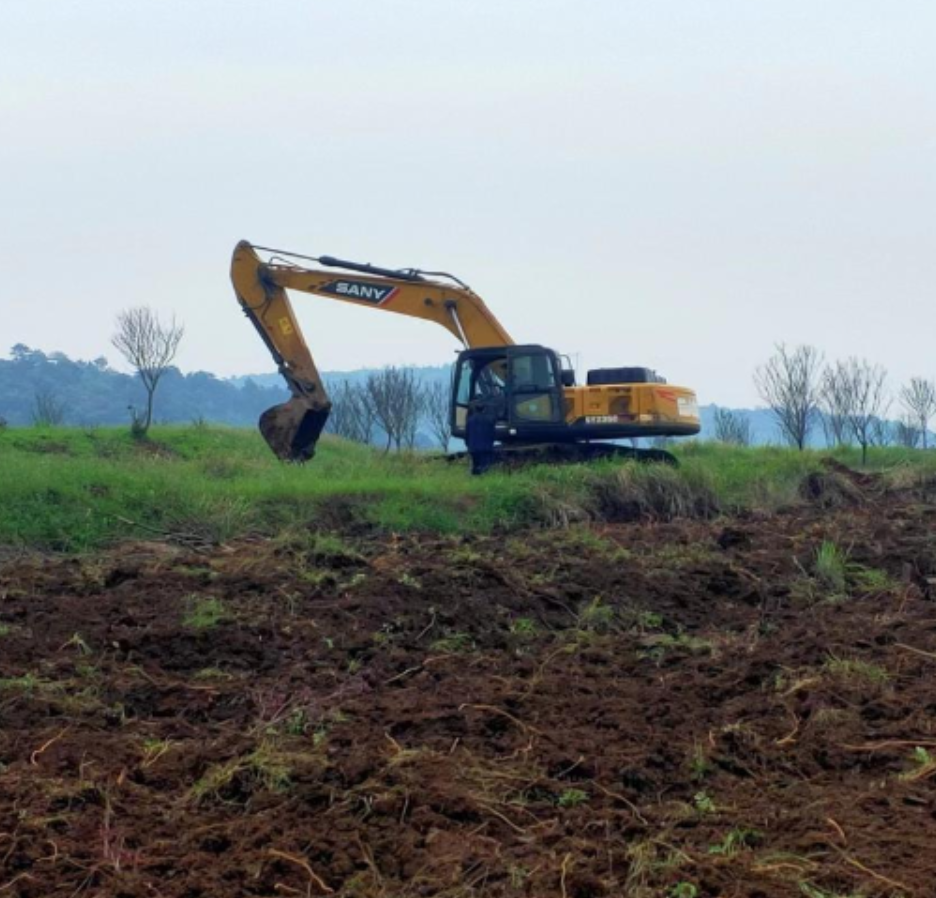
(838, 486)
(666, 709)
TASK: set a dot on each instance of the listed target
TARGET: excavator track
(572, 453)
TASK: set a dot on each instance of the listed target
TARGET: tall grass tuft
(831, 566)
(633, 492)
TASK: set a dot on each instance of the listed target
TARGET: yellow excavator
(540, 408)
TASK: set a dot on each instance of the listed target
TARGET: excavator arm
(293, 428)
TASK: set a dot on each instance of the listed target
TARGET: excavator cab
(525, 385)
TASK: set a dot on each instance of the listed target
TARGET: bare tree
(883, 432)
(48, 409)
(150, 346)
(436, 403)
(361, 412)
(352, 415)
(834, 398)
(907, 433)
(731, 427)
(919, 399)
(789, 384)
(396, 402)
(866, 402)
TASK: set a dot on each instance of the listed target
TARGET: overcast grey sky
(674, 183)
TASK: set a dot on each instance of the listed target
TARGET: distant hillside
(763, 425)
(424, 373)
(92, 393)
(89, 394)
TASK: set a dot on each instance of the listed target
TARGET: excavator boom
(293, 428)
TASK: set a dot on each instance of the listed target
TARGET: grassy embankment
(73, 489)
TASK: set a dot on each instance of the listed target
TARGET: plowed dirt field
(682, 709)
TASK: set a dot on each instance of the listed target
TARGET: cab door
(535, 395)
(480, 375)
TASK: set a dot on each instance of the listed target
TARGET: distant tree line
(402, 408)
(732, 427)
(53, 389)
(849, 401)
(389, 406)
(395, 407)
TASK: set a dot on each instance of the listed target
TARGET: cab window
(536, 393)
(533, 373)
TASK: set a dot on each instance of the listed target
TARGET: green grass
(26, 683)
(453, 643)
(265, 768)
(831, 566)
(734, 841)
(771, 475)
(204, 613)
(571, 798)
(683, 889)
(856, 671)
(70, 489)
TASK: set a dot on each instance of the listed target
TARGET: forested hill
(92, 393)
(424, 373)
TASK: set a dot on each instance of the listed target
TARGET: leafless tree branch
(862, 401)
(352, 415)
(907, 432)
(732, 427)
(834, 401)
(436, 402)
(789, 384)
(48, 409)
(149, 346)
(396, 401)
(919, 400)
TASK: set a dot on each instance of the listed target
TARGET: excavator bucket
(292, 429)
